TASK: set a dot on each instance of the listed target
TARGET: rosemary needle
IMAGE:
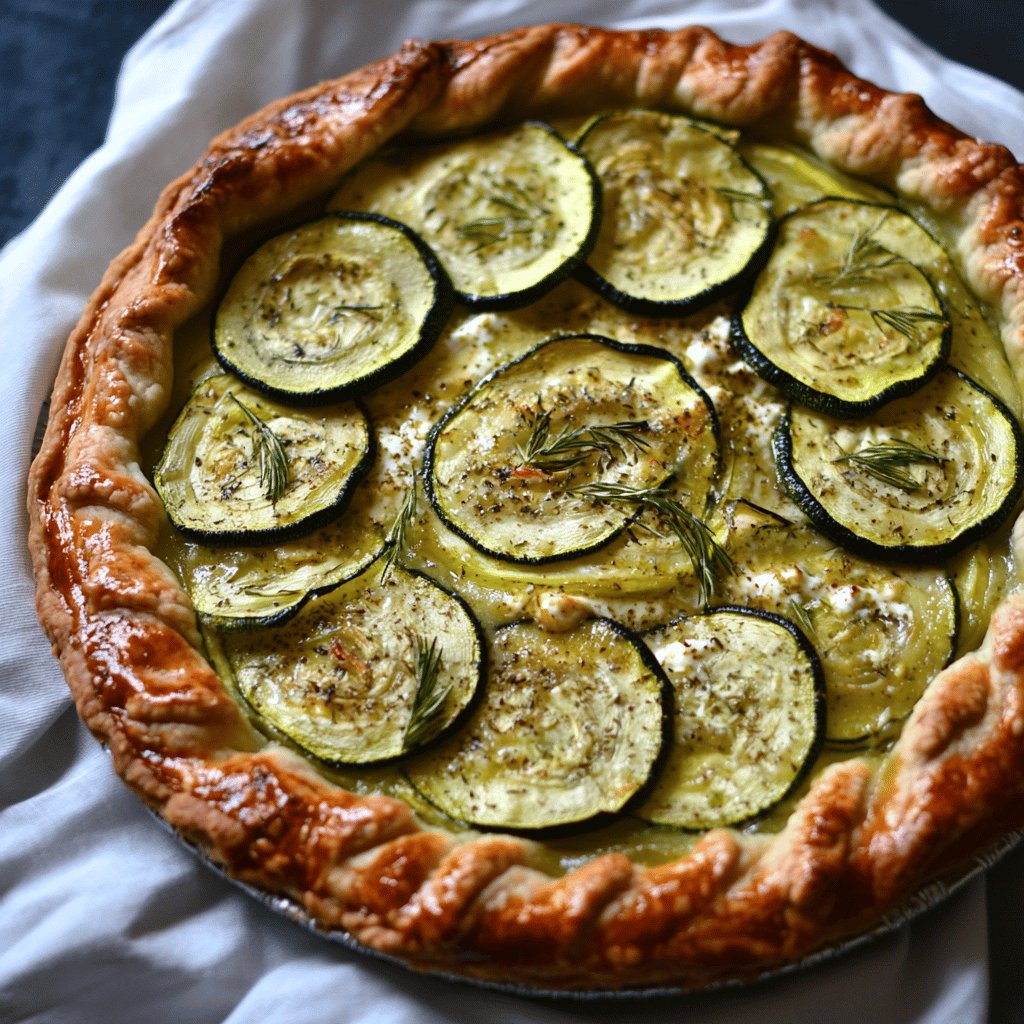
(395, 542)
(863, 255)
(430, 696)
(269, 452)
(888, 461)
(709, 559)
(801, 615)
(569, 448)
(516, 212)
(906, 320)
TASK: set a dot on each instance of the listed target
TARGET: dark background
(58, 65)
(59, 60)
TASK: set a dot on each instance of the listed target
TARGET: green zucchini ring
(368, 673)
(841, 319)
(539, 461)
(571, 729)
(331, 308)
(510, 214)
(685, 218)
(920, 481)
(239, 468)
(647, 558)
(749, 717)
(265, 585)
(881, 634)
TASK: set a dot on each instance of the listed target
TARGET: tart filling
(582, 465)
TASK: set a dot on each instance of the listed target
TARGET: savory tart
(544, 505)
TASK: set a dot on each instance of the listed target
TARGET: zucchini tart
(543, 507)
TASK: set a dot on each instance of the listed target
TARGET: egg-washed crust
(127, 639)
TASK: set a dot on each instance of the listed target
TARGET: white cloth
(104, 916)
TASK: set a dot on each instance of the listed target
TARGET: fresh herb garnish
(888, 461)
(269, 452)
(516, 212)
(569, 448)
(395, 542)
(429, 697)
(735, 195)
(801, 615)
(709, 559)
(906, 320)
(863, 255)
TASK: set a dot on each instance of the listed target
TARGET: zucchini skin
(601, 818)
(801, 392)
(798, 491)
(300, 528)
(519, 299)
(685, 305)
(618, 346)
(264, 725)
(737, 284)
(231, 624)
(430, 330)
(818, 742)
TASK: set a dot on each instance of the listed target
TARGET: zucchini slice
(331, 308)
(882, 634)
(510, 213)
(512, 468)
(842, 319)
(245, 588)
(571, 728)
(365, 674)
(264, 585)
(240, 468)
(918, 482)
(796, 179)
(684, 217)
(749, 716)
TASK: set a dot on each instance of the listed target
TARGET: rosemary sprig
(569, 448)
(269, 452)
(906, 320)
(888, 461)
(430, 695)
(709, 559)
(516, 210)
(863, 255)
(801, 615)
(395, 542)
(736, 195)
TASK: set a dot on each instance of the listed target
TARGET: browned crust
(126, 636)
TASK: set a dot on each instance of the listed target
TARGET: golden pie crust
(127, 639)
